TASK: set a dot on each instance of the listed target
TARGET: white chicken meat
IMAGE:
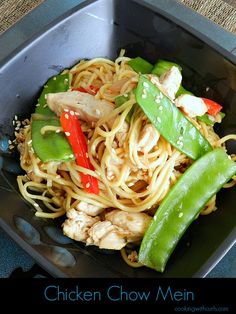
(171, 81)
(89, 209)
(134, 224)
(149, 137)
(85, 105)
(106, 236)
(191, 105)
(78, 224)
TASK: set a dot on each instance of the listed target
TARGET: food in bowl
(126, 153)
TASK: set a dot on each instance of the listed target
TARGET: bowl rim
(224, 43)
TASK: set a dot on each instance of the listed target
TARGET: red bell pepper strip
(212, 106)
(92, 90)
(76, 138)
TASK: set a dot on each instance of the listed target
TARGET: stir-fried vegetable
(182, 204)
(58, 83)
(76, 138)
(120, 100)
(140, 65)
(162, 66)
(169, 120)
(51, 146)
(212, 106)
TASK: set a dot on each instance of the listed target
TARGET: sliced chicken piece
(122, 133)
(77, 225)
(171, 81)
(106, 236)
(89, 209)
(149, 137)
(193, 106)
(134, 224)
(87, 106)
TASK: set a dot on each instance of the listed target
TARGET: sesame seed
(66, 110)
(87, 185)
(37, 105)
(13, 122)
(58, 176)
(58, 131)
(66, 116)
(36, 205)
(71, 156)
(159, 119)
(65, 81)
(126, 95)
(181, 215)
(207, 89)
(98, 112)
(16, 118)
(29, 142)
(155, 218)
(181, 137)
(144, 96)
(157, 100)
(45, 86)
(161, 95)
(160, 108)
(45, 106)
(54, 79)
(72, 113)
(9, 141)
(67, 133)
(45, 96)
(145, 84)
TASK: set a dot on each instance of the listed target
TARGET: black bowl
(102, 28)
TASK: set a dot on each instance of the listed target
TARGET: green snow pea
(162, 66)
(50, 146)
(120, 100)
(140, 65)
(58, 83)
(170, 121)
(206, 118)
(182, 204)
(183, 91)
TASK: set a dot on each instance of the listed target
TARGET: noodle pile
(129, 180)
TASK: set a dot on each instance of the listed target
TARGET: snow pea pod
(120, 100)
(170, 121)
(140, 65)
(50, 146)
(162, 66)
(58, 83)
(182, 204)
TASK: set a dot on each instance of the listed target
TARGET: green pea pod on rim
(182, 204)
